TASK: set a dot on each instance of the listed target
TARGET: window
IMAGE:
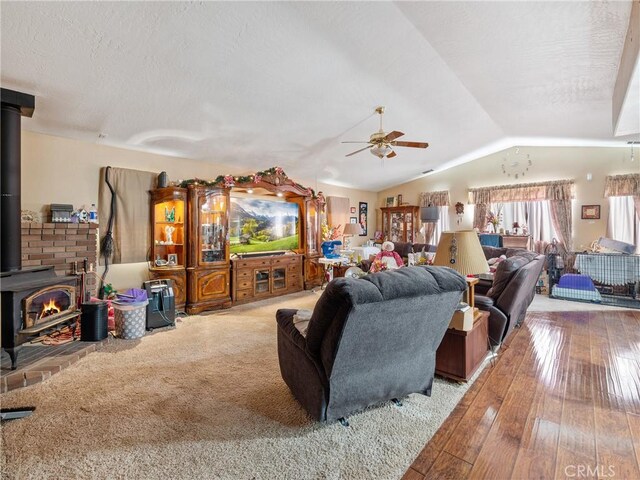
(535, 215)
(443, 223)
(624, 224)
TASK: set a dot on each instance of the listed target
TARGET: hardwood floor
(562, 401)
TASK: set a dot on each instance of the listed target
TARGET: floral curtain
(436, 199)
(622, 186)
(524, 192)
(480, 215)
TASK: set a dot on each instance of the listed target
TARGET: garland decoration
(273, 175)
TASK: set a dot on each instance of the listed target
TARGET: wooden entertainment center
(205, 273)
(264, 277)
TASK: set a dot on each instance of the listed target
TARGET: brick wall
(59, 244)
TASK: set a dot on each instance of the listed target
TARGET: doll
(387, 257)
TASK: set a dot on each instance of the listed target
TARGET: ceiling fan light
(380, 151)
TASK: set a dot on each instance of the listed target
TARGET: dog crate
(607, 278)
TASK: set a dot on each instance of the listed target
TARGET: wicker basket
(131, 319)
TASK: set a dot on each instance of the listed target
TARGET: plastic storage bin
(131, 319)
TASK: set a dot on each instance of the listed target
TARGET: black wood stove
(35, 301)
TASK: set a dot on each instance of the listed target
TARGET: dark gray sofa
(369, 340)
(510, 294)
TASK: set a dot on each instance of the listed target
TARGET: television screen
(258, 225)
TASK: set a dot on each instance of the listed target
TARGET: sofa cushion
(503, 274)
(415, 281)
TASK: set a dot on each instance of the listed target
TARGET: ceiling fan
(381, 144)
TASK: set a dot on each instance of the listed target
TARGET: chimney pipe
(14, 106)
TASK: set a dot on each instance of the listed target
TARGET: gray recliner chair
(369, 340)
(510, 295)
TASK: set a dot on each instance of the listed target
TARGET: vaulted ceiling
(283, 83)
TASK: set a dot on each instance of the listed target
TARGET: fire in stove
(50, 308)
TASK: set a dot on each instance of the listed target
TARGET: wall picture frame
(590, 212)
(352, 210)
(363, 210)
(353, 220)
(390, 201)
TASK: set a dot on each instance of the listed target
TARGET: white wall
(549, 163)
(61, 170)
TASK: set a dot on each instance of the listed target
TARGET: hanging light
(380, 151)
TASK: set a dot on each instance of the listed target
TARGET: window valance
(622, 185)
(524, 192)
(436, 199)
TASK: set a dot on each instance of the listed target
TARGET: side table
(461, 352)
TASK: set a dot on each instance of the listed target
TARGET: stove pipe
(14, 106)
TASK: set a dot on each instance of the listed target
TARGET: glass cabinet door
(397, 227)
(312, 227)
(261, 282)
(279, 278)
(386, 228)
(169, 229)
(408, 221)
(213, 228)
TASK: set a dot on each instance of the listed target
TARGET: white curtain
(536, 215)
(624, 224)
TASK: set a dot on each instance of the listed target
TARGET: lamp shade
(352, 229)
(461, 251)
(429, 214)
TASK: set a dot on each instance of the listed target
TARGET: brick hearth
(59, 244)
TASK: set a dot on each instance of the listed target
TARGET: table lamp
(351, 229)
(462, 251)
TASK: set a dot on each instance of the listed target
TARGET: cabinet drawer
(292, 269)
(293, 279)
(244, 274)
(244, 294)
(244, 283)
(252, 263)
(283, 260)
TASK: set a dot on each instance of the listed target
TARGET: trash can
(94, 321)
(131, 314)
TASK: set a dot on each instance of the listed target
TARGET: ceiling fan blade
(392, 136)
(354, 142)
(392, 154)
(358, 151)
(410, 144)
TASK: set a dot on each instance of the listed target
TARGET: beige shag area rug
(206, 400)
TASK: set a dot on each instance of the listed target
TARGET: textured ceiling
(262, 84)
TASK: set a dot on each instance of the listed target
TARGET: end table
(461, 352)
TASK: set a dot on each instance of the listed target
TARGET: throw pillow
(301, 321)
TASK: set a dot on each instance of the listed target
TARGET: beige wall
(61, 170)
(549, 163)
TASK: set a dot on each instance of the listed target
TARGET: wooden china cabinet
(168, 239)
(208, 268)
(400, 224)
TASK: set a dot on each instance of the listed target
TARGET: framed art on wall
(590, 212)
(353, 210)
(363, 210)
(353, 220)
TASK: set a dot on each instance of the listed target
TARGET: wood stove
(35, 301)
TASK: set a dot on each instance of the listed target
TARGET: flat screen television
(260, 225)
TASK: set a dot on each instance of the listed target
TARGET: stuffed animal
(387, 257)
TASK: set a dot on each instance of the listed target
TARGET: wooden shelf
(170, 223)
